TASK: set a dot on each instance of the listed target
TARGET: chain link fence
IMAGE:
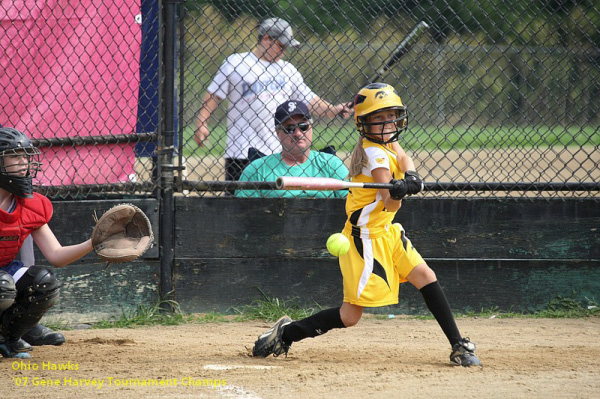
(72, 75)
(503, 97)
(496, 92)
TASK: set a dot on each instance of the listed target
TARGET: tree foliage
(545, 22)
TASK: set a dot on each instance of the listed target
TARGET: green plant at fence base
(558, 307)
(163, 312)
(212, 317)
(57, 325)
(269, 309)
(569, 307)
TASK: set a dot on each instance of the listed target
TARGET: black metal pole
(165, 156)
(180, 104)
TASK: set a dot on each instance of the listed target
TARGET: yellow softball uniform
(380, 255)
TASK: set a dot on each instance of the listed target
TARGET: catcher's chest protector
(29, 214)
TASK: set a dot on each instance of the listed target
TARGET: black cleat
(42, 335)
(15, 349)
(271, 342)
(463, 354)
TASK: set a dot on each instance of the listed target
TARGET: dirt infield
(405, 358)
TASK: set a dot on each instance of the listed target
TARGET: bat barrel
(409, 41)
(413, 35)
(402, 49)
(312, 183)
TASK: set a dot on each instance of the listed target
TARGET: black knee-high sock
(436, 301)
(312, 326)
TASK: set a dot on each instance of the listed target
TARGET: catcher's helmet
(15, 143)
(377, 97)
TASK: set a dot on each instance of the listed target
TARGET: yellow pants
(374, 268)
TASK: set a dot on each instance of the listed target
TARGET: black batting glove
(399, 189)
(414, 184)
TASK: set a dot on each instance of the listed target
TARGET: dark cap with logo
(278, 29)
(289, 109)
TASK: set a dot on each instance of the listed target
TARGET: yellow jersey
(367, 217)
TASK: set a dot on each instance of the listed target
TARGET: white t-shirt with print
(254, 89)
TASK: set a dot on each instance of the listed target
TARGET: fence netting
(71, 79)
(503, 97)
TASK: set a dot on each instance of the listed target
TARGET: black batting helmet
(15, 143)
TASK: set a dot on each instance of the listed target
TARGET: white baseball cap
(278, 29)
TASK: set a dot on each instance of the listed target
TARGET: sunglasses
(290, 129)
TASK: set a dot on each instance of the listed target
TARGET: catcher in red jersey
(26, 293)
(122, 234)
(381, 257)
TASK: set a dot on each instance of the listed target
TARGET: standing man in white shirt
(255, 83)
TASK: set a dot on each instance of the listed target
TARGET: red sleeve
(46, 207)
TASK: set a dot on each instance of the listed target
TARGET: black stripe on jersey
(355, 216)
(404, 239)
(378, 269)
(359, 246)
(353, 221)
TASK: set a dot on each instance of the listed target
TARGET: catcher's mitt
(122, 234)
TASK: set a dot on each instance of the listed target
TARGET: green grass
(144, 315)
(269, 309)
(56, 325)
(264, 308)
(559, 307)
(344, 137)
(212, 317)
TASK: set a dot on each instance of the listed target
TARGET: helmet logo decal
(380, 94)
(359, 99)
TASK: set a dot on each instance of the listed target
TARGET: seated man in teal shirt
(293, 125)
